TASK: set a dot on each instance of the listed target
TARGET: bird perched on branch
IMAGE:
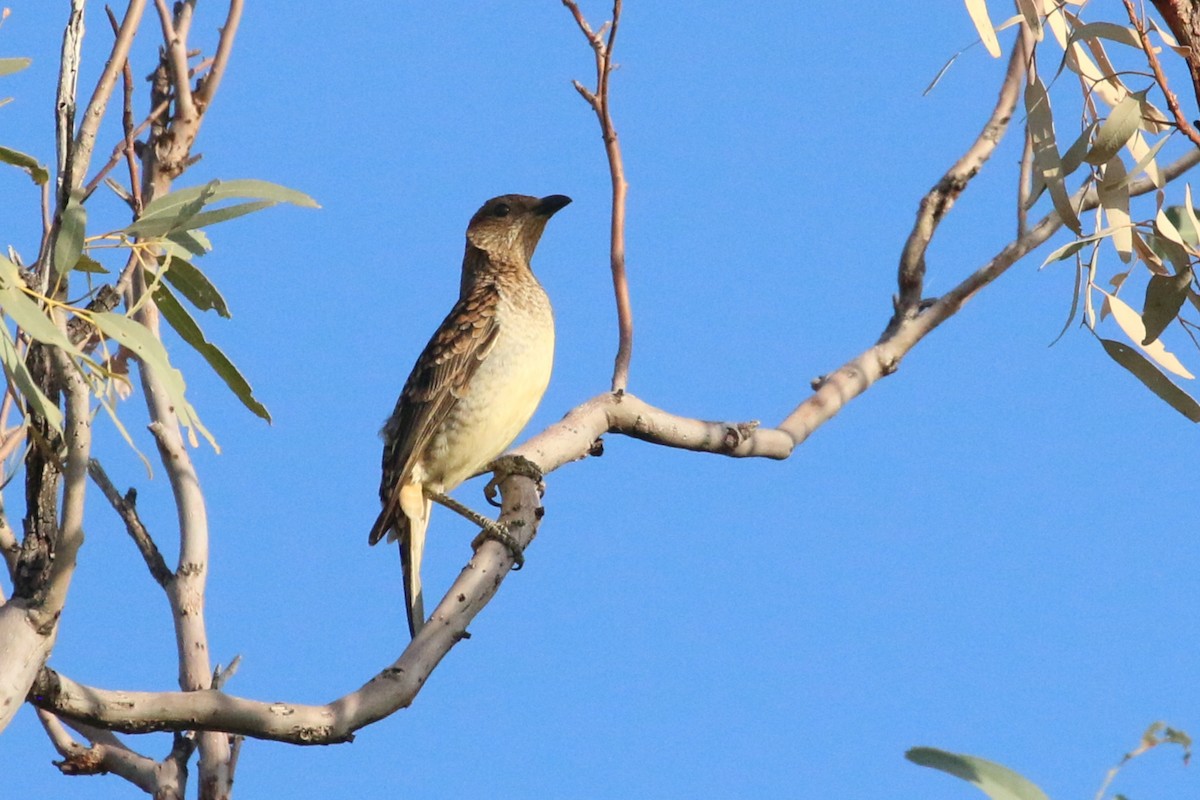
(475, 385)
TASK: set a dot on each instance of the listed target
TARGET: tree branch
(127, 511)
(940, 199)
(599, 101)
(176, 46)
(1160, 78)
(85, 140)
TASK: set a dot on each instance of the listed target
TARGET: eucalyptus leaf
(21, 378)
(10, 65)
(26, 312)
(183, 323)
(71, 232)
(1152, 378)
(195, 286)
(1164, 297)
(28, 163)
(995, 780)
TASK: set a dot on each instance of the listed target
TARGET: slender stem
(1181, 121)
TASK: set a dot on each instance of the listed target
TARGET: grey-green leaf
(1154, 380)
(88, 264)
(174, 313)
(995, 780)
(69, 245)
(25, 311)
(1164, 297)
(19, 374)
(1116, 130)
(28, 163)
(10, 65)
(196, 287)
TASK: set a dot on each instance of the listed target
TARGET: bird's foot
(507, 466)
(490, 529)
(499, 533)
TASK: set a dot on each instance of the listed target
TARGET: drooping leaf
(25, 311)
(69, 246)
(1033, 17)
(28, 163)
(1131, 323)
(995, 780)
(1074, 303)
(1164, 297)
(1116, 130)
(1045, 151)
(174, 313)
(983, 23)
(1107, 30)
(1154, 380)
(10, 65)
(138, 339)
(195, 286)
(19, 374)
(1182, 225)
(1113, 192)
(194, 243)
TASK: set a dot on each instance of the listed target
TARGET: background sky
(991, 552)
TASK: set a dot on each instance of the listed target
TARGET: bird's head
(510, 226)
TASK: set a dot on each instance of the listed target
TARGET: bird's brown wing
(437, 380)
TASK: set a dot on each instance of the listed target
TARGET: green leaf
(138, 339)
(26, 312)
(1045, 151)
(228, 212)
(996, 781)
(1107, 30)
(1153, 379)
(10, 65)
(195, 243)
(69, 245)
(27, 163)
(1116, 130)
(174, 313)
(19, 374)
(1179, 217)
(161, 218)
(88, 264)
(1164, 297)
(180, 210)
(195, 286)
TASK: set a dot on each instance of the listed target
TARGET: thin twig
(135, 187)
(1181, 121)
(599, 101)
(119, 150)
(940, 199)
(85, 140)
(1024, 185)
(127, 511)
(208, 85)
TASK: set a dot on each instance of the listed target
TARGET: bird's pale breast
(503, 393)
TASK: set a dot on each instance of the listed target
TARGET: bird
(475, 385)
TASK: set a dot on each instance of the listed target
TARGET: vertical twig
(1181, 121)
(599, 101)
(135, 187)
(85, 141)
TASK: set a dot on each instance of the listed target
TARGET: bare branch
(940, 199)
(85, 140)
(599, 101)
(208, 86)
(392, 689)
(127, 511)
(105, 753)
(185, 108)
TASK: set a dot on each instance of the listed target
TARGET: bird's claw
(499, 533)
(507, 466)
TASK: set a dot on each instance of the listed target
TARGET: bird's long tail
(409, 531)
(412, 549)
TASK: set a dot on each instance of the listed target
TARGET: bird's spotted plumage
(477, 382)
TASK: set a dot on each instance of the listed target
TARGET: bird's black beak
(548, 205)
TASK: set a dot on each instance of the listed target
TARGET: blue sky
(991, 552)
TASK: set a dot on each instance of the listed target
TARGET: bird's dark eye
(501, 210)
